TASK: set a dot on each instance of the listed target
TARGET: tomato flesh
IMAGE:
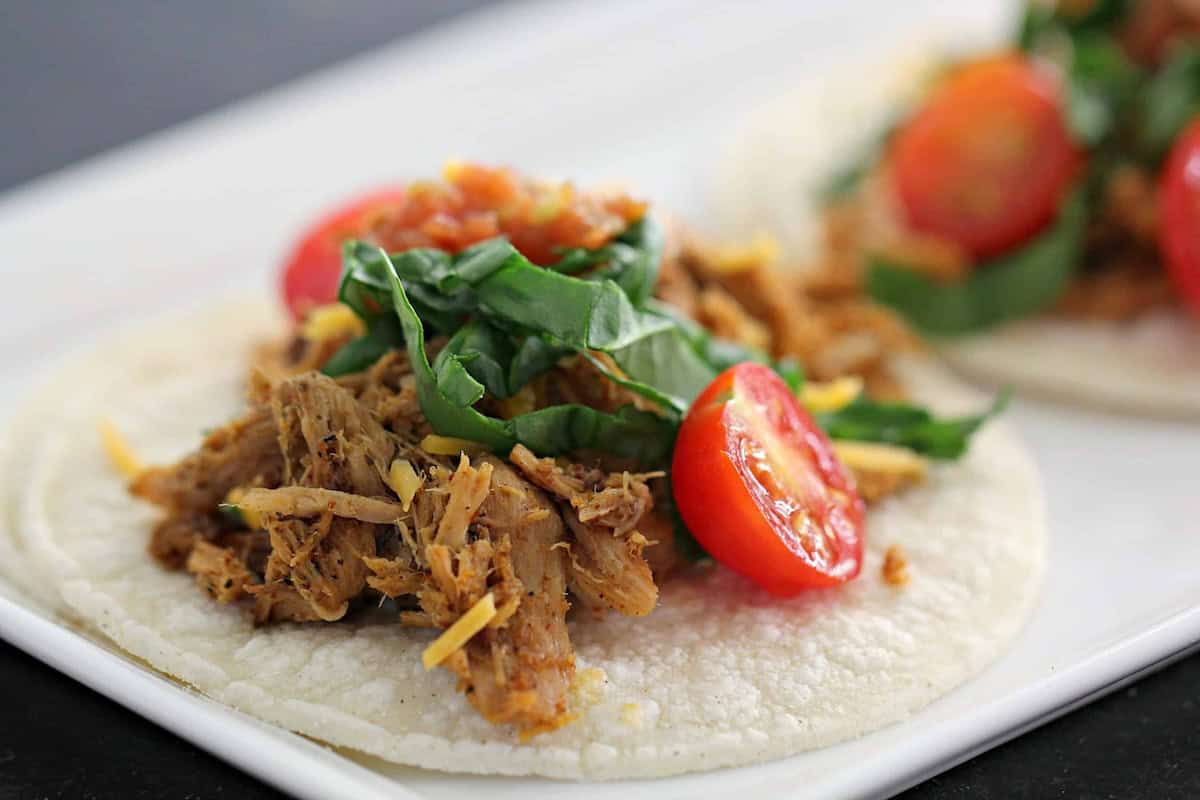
(472, 203)
(987, 158)
(314, 266)
(1179, 204)
(759, 486)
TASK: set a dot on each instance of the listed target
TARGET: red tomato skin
(1179, 204)
(313, 268)
(987, 159)
(733, 515)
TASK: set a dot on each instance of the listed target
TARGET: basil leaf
(721, 354)
(456, 384)
(484, 352)
(631, 260)
(1170, 100)
(383, 334)
(508, 291)
(446, 398)
(1037, 21)
(533, 357)
(1102, 84)
(364, 285)
(639, 435)
(1041, 21)
(1099, 14)
(1010, 287)
(584, 315)
(907, 426)
(667, 364)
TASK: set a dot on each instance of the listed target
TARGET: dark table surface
(59, 64)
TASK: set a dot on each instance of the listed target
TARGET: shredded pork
(830, 328)
(290, 510)
(1121, 275)
(240, 453)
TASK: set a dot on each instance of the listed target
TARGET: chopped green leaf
(1102, 84)
(1042, 20)
(447, 397)
(232, 514)
(1170, 100)
(484, 352)
(383, 334)
(631, 260)
(495, 284)
(533, 357)
(907, 426)
(1013, 286)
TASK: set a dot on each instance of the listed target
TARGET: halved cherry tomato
(987, 158)
(1179, 207)
(312, 270)
(759, 486)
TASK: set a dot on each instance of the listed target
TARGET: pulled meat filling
(833, 330)
(608, 570)
(319, 497)
(1121, 273)
(316, 528)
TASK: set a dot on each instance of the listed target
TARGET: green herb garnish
(1170, 100)
(1009, 287)
(908, 426)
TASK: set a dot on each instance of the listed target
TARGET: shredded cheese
(404, 481)
(732, 259)
(895, 566)
(119, 453)
(333, 321)
(250, 517)
(458, 634)
(449, 445)
(452, 169)
(587, 688)
(832, 395)
(878, 457)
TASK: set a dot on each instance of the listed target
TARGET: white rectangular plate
(639, 92)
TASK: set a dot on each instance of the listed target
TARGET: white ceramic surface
(633, 91)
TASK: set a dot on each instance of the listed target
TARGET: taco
(1029, 209)
(488, 502)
